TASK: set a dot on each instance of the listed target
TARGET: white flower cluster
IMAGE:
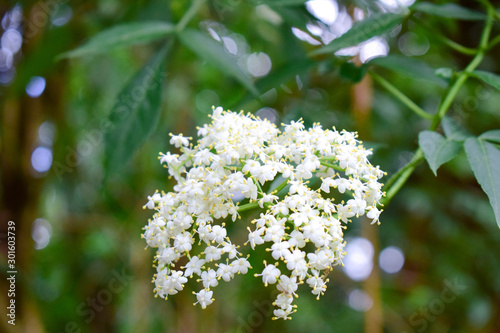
(240, 156)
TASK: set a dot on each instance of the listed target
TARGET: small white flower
(287, 284)
(240, 266)
(204, 297)
(218, 234)
(209, 278)
(280, 249)
(212, 253)
(270, 274)
(193, 266)
(179, 140)
(225, 272)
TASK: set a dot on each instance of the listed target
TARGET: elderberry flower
(240, 162)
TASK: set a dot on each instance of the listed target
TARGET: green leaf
(297, 17)
(489, 78)
(121, 36)
(352, 72)
(410, 67)
(493, 135)
(449, 10)
(361, 31)
(135, 113)
(453, 130)
(437, 150)
(284, 73)
(484, 159)
(214, 53)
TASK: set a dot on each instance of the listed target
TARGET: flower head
(225, 172)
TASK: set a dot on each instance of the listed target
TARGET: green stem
(494, 42)
(280, 186)
(397, 181)
(462, 76)
(333, 166)
(399, 95)
(445, 40)
(190, 13)
(248, 206)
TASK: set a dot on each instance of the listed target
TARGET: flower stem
(397, 181)
(399, 95)
(445, 40)
(333, 166)
(190, 13)
(280, 186)
(248, 206)
(462, 76)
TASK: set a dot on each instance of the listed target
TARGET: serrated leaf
(489, 78)
(121, 36)
(453, 130)
(437, 150)
(410, 67)
(484, 159)
(135, 113)
(361, 31)
(214, 53)
(449, 10)
(493, 135)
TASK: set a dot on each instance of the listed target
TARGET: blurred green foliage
(105, 162)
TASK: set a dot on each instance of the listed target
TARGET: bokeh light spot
(35, 86)
(391, 259)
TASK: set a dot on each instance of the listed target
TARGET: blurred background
(433, 265)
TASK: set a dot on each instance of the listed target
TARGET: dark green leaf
(121, 36)
(489, 78)
(410, 67)
(352, 72)
(449, 10)
(284, 73)
(214, 53)
(361, 31)
(437, 150)
(484, 159)
(493, 135)
(295, 16)
(135, 113)
(453, 130)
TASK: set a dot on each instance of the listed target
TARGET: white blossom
(225, 172)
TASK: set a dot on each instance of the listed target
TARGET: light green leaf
(410, 67)
(493, 135)
(121, 36)
(135, 113)
(361, 31)
(489, 78)
(214, 53)
(484, 159)
(437, 150)
(453, 130)
(449, 10)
